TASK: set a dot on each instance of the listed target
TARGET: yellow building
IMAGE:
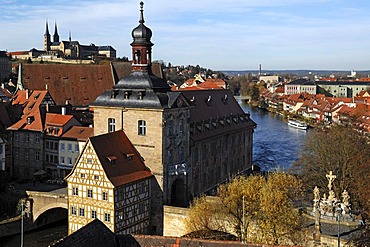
(109, 182)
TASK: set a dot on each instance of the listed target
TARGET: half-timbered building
(110, 182)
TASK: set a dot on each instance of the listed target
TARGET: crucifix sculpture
(331, 178)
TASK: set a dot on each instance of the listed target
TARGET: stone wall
(174, 221)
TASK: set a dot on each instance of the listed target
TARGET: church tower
(141, 46)
(56, 35)
(154, 118)
(47, 41)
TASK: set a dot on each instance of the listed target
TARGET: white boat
(297, 124)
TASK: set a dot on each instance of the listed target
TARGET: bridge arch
(47, 208)
(41, 202)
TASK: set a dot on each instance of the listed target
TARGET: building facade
(110, 183)
(27, 134)
(70, 145)
(5, 66)
(300, 86)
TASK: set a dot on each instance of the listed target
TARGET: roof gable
(121, 162)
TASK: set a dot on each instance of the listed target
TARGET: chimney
(46, 87)
(47, 107)
(64, 111)
(27, 96)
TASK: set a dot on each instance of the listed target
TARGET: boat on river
(297, 124)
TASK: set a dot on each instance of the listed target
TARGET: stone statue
(331, 197)
(316, 194)
(346, 198)
(331, 178)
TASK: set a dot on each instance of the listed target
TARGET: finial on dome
(142, 12)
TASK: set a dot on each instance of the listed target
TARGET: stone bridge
(49, 203)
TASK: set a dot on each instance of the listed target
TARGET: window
(73, 211)
(105, 196)
(69, 161)
(27, 155)
(27, 137)
(89, 194)
(62, 147)
(37, 138)
(141, 208)
(16, 136)
(62, 160)
(77, 149)
(170, 127)
(107, 217)
(75, 191)
(141, 127)
(169, 154)
(82, 212)
(111, 124)
(69, 147)
(96, 177)
(82, 175)
(89, 161)
(93, 214)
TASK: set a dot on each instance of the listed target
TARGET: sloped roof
(79, 84)
(57, 119)
(128, 165)
(122, 69)
(213, 106)
(32, 117)
(78, 132)
(94, 234)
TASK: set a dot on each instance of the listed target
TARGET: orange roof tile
(78, 132)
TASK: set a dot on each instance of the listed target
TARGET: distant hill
(295, 72)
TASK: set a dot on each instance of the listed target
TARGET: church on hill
(73, 49)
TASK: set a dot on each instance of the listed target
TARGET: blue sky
(217, 34)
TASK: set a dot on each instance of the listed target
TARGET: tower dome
(141, 34)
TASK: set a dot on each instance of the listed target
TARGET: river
(41, 237)
(275, 144)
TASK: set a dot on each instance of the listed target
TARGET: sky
(215, 34)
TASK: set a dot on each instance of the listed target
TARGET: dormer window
(127, 94)
(141, 95)
(112, 159)
(208, 100)
(114, 93)
(129, 156)
(30, 120)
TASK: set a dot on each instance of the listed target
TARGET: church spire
(47, 41)
(56, 35)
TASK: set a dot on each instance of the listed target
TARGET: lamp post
(22, 212)
(339, 212)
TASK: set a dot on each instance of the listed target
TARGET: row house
(300, 86)
(27, 134)
(70, 145)
(35, 137)
(292, 103)
(55, 126)
(110, 182)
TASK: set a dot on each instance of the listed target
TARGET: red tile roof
(77, 84)
(78, 132)
(30, 102)
(128, 166)
(57, 119)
